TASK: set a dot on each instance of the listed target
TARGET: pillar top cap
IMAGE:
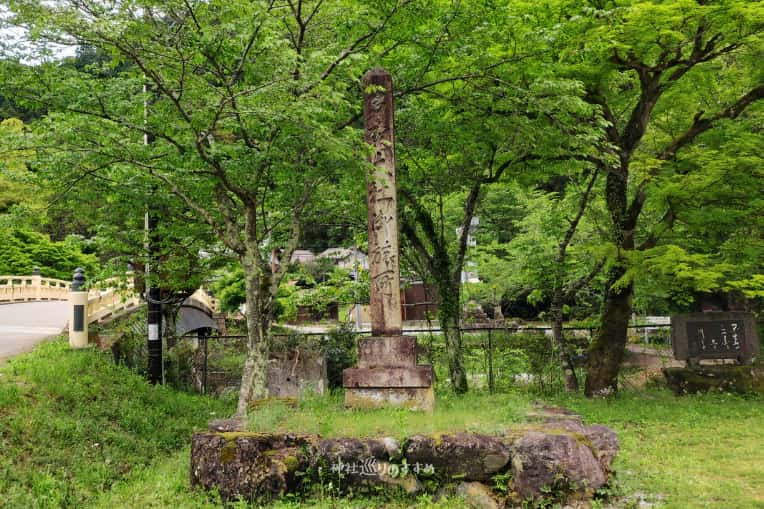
(377, 75)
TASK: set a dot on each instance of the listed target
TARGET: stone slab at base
(388, 378)
(738, 379)
(412, 398)
(388, 375)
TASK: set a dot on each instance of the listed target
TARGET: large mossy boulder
(249, 465)
(544, 462)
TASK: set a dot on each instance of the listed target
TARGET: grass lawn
(77, 431)
(326, 415)
(704, 451)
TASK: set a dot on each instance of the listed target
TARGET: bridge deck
(24, 325)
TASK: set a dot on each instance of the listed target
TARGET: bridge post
(37, 283)
(78, 323)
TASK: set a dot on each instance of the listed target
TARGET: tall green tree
(493, 109)
(665, 74)
(243, 104)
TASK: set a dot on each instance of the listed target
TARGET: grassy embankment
(72, 424)
(76, 431)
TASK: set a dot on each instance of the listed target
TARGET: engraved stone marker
(382, 205)
(717, 335)
(387, 373)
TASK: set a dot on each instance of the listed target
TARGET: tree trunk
(449, 316)
(606, 351)
(254, 375)
(558, 336)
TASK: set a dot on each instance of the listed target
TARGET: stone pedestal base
(738, 379)
(415, 398)
(388, 375)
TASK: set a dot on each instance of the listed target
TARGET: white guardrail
(33, 288)
(117, 298)
(110, 298)
(103, 300)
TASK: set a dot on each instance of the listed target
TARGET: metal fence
(496, 358)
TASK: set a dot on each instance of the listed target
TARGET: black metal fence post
(490, 363)
(204, 369)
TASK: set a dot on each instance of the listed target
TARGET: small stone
(228, 425)
(449, 490)
(477, 495)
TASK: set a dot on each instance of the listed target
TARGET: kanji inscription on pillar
(382, 204)
(387, 373)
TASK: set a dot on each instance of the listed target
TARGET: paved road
(24, 325)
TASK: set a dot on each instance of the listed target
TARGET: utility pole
(153, 291)
(154, 303)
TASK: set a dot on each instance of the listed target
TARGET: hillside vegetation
(72, 424)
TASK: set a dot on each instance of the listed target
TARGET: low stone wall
(557, 456)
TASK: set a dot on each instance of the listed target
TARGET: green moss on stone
(291, 463)
(233, 435)
(228, 452)
(437, 438)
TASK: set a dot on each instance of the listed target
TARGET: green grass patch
(78, 431)
(326, 415)
(702, 451)
(72, 424)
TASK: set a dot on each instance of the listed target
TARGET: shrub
(23, 250)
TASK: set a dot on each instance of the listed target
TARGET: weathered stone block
(465, 456)
(388, 376)
(248, 465)
(541, 461)
(292, 373)
(388, 352)
(738, 379)
(412, 398)
(417, 376)
(356, 450)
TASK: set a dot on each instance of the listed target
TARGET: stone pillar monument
(387, 372)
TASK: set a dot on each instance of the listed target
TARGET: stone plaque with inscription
(717, 335)
(387, 372)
